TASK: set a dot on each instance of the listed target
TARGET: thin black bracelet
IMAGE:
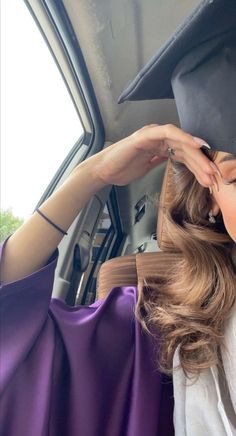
(54, 225)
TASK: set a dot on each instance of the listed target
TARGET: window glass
(39, 122)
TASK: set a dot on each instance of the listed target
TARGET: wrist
(88, 167)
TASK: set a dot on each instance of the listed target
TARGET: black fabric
(197, 67)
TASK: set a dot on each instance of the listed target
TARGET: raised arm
(29, 248)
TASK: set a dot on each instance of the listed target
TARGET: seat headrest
(166, 197)
(130, 269)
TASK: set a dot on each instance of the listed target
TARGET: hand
(134, 156)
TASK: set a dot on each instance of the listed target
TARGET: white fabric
(206, 408)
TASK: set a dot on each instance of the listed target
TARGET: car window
(40, 124)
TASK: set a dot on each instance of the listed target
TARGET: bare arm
(29, 248)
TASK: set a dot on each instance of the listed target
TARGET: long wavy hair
(189, 307)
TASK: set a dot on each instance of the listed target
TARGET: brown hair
(190, 306)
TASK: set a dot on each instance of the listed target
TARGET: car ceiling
(117, 38)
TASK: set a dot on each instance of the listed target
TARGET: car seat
(132, 269)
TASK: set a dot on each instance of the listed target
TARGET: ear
(214, 206)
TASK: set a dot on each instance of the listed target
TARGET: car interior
(99, 47)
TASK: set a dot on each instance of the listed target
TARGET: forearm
(31, 245)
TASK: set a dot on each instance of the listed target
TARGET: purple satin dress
(77, 371)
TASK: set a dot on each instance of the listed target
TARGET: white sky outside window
(39, 124)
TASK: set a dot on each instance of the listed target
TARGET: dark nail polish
(206, 146)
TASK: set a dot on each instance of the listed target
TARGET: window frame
(115, 233)
(56, 29)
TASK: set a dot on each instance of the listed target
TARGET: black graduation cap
(197, 67)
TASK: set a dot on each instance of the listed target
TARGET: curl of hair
(189, 308)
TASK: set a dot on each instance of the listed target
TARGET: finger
(172, 132)
(187, 154)
(205, 179)
(193, 162)
(184, 145)
(201, 161)
(160, 137)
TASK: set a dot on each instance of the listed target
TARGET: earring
(211, 218)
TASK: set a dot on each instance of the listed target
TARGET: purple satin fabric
(81, 371)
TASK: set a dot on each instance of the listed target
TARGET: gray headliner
(117, 38)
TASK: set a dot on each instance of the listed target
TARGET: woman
(194, 310)
(84, 370)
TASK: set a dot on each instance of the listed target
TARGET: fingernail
(215, 168)
(201, 142)
(206, 146)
